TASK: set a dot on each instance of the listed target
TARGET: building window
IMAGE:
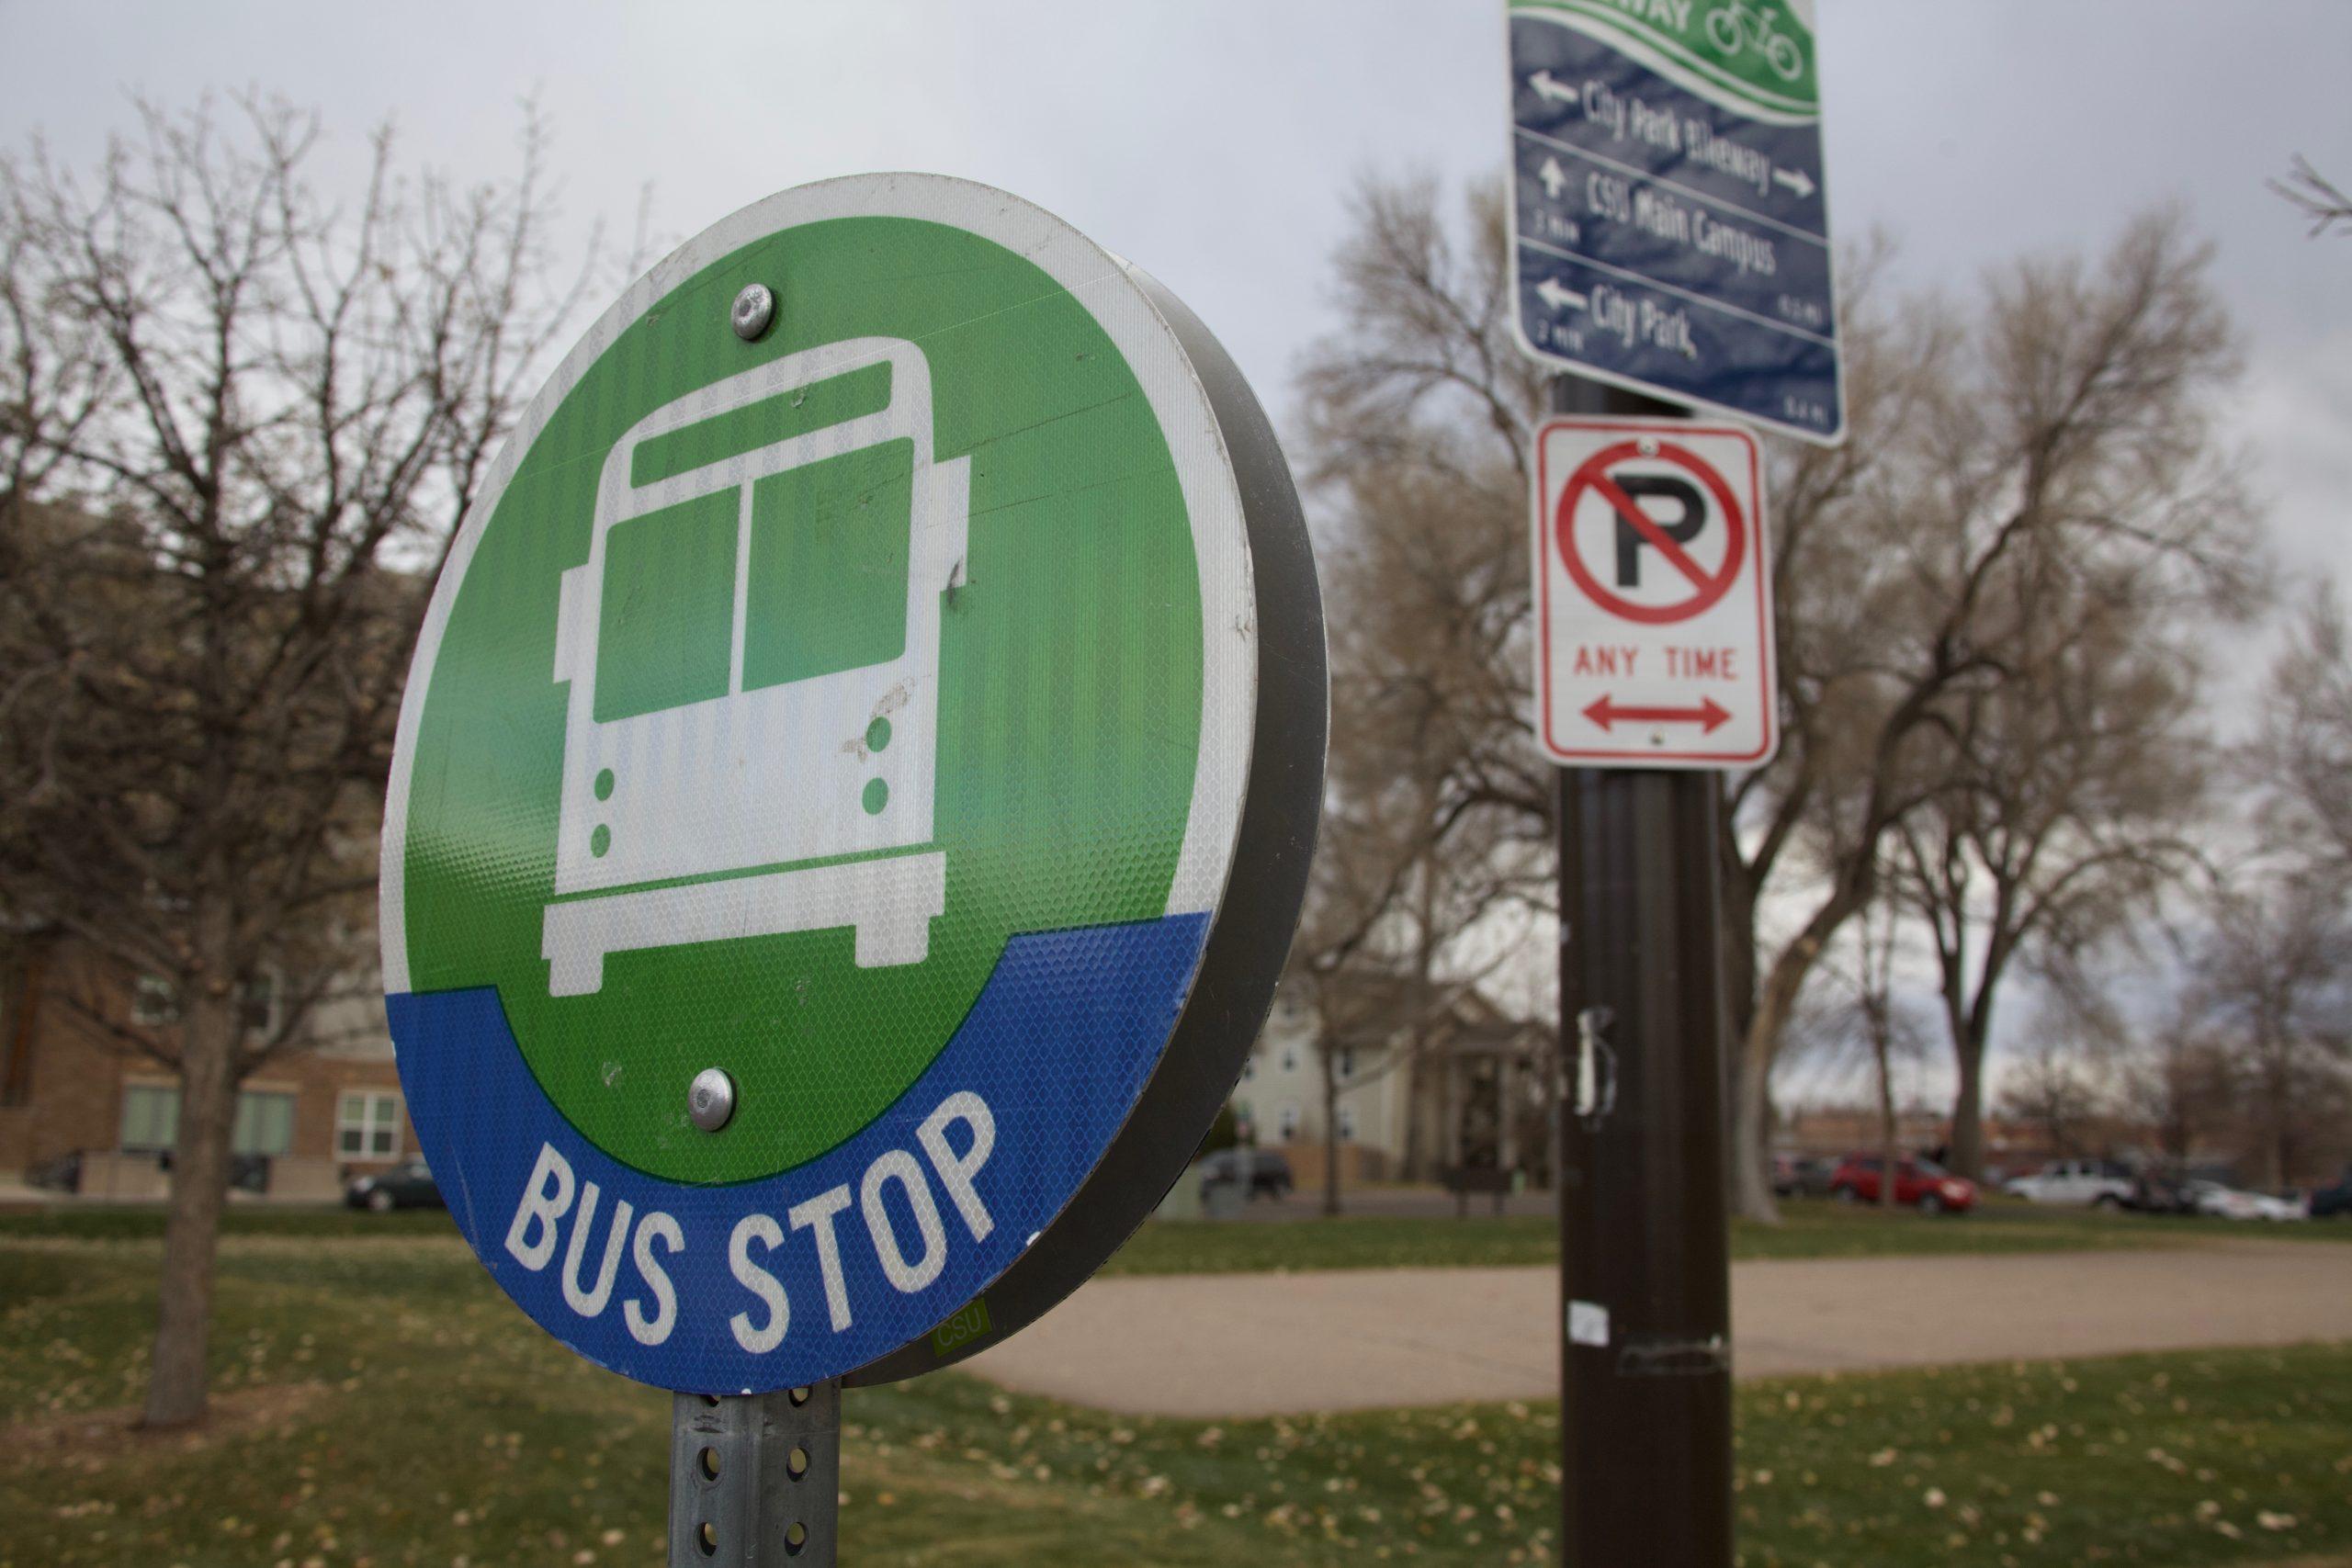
(151, 1121)
(1286, 1125)
(154, 1002)
(1249, 1067)
(1290, 1058)
(150, 1118)
(1347, 1061)
(264, 1124)
(367, 1124)
(1347, 1123)
(261, 1004)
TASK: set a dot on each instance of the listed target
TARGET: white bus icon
(788, 787)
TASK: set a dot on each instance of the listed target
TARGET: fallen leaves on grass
(95, 1441)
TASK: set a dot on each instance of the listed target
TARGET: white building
(1407, 1107)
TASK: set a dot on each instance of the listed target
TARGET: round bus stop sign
(812, 934)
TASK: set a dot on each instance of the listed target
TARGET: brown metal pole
(1645, 1365)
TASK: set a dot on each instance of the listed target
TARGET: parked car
(406, 1186)
(249, 1173)
(1918, 1183)
(63, 1174)
(2334, 1202)
(1269, 1173)
(1794, 1177)
(2093, 1181)
(1815, 1176)
(2156, 1193)
(2230, 1203)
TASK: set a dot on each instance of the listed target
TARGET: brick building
(82, 1106)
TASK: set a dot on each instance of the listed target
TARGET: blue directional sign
(1670, 229)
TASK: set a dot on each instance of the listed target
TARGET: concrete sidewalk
(1229, 1344)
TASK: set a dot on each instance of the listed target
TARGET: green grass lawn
(144, 1222)
(1814, 1228)
(381, 1404)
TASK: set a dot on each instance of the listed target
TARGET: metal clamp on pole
(755, 1479)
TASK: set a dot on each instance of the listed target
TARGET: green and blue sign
(1669, 226)
(864, 707)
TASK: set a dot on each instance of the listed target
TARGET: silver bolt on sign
(712, 1100)
(754, 309)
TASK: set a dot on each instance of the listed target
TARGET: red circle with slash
(1594, 476)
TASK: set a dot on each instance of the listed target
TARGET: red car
(1919, 1183)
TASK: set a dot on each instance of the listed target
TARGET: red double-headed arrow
(1707, 715)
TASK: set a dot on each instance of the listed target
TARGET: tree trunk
(2274, 1146)
(1330, 1129)
(1890, 1156)
(1751, 1133)
(1416, 1085)
(1739, 929)
(1968, 1107)
(1555, 1117)
(1776, 1003)
(1751, 1130)
(175, 1389)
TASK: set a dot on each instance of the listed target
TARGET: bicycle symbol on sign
(1742, 26)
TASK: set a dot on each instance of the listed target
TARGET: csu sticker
(808, 894)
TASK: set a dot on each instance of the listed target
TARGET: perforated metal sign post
(812, 930)
(1654, 610)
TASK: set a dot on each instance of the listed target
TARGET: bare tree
(2270, 1004)
(2274, 984)
(241, 423)
(1824, 800)
(2070, 796)
(1417, 412)
(2002, 461)
(1855, 1013)
(2054, 447)
(2051, 1086)
(2318, 197)
(1384, 1011)
(2302, 755)
(1885, 1031)
(1409, 858)
(1361, 957)
(2181, 1084)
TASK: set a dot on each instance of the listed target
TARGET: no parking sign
(1653, 596)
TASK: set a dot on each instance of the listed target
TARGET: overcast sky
(1214, 140)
